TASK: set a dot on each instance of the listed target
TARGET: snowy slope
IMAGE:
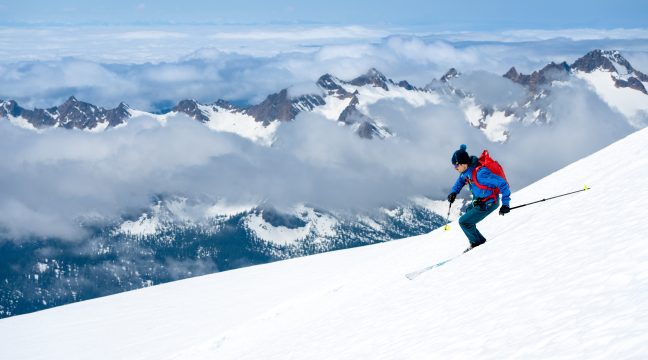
(246, 126)
(566, 278)
(633, 104)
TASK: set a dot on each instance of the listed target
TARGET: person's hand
(452, 197)
(505, 209)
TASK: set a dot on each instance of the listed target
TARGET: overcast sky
(438, 15)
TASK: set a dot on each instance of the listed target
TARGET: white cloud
(301, 34)
(148, 35)
(522, 35)
(52, 179)
(57, 177)
(155, 68)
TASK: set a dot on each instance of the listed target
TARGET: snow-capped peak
(610, 60)
(614, 79)
(607, 71)
(450, 74)
(372, 77)
(72, 114)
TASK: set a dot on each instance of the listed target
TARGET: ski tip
(586, 187)
(414, 275)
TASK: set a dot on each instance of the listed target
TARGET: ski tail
(413, 275)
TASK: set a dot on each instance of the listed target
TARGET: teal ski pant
(473, 215)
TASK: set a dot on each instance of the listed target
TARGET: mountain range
(346, 102)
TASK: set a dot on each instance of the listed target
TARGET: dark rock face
(641, 76)
(367, 128)
(226, 105)
(372, 77)
(450, 74)
(512, 74)
(190, 107)
(619, 59)
(592, 61)
(351, 114)
(72, 114)
(11, 108)
(307, 102)
(543, 77)
(554, 71)
(275, 107)
(280, 107)
(331, 85)
(407, 86)
(606, 60)
(118, 115)
(632, 83)
(39, 118)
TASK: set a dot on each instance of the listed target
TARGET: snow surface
(632, 103)
(100, 127)
(494, 126)
(566, 278)
(225, 209)
(333, 107)
(316, 223)
(369, 95)
(145, 225)
(21, 122)
(241, 124)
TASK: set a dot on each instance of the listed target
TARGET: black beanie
(461, 156)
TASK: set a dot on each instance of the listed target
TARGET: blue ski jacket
(486, 178)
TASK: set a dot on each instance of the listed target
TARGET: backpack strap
(495, 191)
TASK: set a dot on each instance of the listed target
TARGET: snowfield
(566, 278)
(633, 104)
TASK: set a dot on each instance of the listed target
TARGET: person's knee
(465, 223)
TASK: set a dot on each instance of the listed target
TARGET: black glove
(452, 197)
(504, 210)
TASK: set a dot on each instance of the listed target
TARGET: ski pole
(553, 197)
(447, 227)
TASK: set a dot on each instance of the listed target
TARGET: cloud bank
(153, 69)
(54, 180)
(58, 178)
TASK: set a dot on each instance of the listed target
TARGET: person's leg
(469, 220)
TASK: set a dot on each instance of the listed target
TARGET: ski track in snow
(566, 278)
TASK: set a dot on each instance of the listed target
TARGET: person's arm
(487, 178)
(458, 185)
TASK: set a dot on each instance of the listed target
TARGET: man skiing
(485, 187)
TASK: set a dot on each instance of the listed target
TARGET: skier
(485, 187)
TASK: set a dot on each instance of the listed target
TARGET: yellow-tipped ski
(587, 187)
(446, 228)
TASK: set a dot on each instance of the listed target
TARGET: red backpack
(492, 165)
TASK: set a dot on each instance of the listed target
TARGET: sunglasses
(456, 166)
